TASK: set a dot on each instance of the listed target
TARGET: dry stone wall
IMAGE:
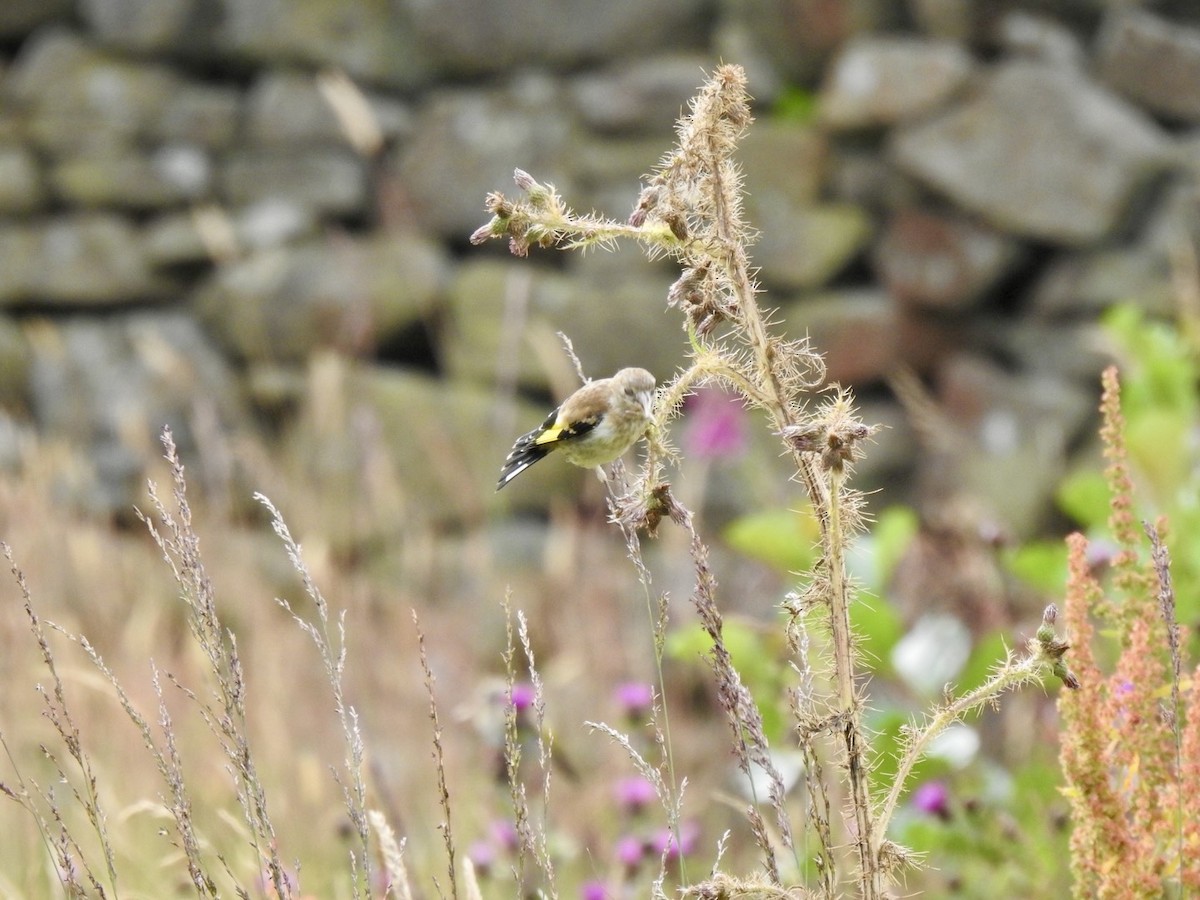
(197, 196)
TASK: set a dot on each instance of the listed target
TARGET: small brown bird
(593, 426)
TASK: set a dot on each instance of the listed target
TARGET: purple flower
(635, 793)
(635, 698)
(522, 696)
(664, 843)
(483, 855)
(630, 851)
(716, 425)
(503, 834)
(933, 798)
(593, 890)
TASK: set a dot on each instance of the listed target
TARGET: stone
(1140, 269)
(372, 40)
(79, 258)
(78, 98)
(210, 234)
(288, 108)
(1014, 433)
(864, 336)
(783, 161)
(107, 386)
(857, 333)
(1039, 151)
(467, 143)
(879, 81)
(202, 115)
(942, 262)
(470, 39)
(503, 317)
(1153, 62)
(281, 305)
(639, 97)
(19, 17)
(126, 178)
(14, 365)
(804, 247)
(1039, 37)
(609, 171)
(139, 25)
(22, 190)
(799, 36)
(1089, 281)
(330, 181)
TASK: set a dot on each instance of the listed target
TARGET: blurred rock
(642, 97)
(124, 177)
(467, 143)
(1090, 281)
(942, 262)
(1141, 270)
(798, 36)
(503, 316)
(1039, 151)
(431, 432)
(1039, 37)
(783, 162)
(199, 114)
(802, 242)
(19, 17)
(1074, 352)
(76, 97)
(84, 258)
(14, 365)
(184, 238)
(289, 108)
(1154, 62)
(349, 295)
(804, 247)
(883, 80)
(1016, 429)
(332, 181)
(470, 39)
(142, 25)
(610, 171)
(107, 386)
(21, 187)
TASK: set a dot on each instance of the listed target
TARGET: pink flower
(593, 890)
(716, 425)
(631, 851)
(664, 843)
(635, 698)
(523, 696)
(635, 793)
(933, 797)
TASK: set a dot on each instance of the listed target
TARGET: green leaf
(1083, 496)
(796, 104)
(1040, 564)
(878, 627)
(782, 538)
(989, 652)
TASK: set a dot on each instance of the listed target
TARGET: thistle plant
(690, 209)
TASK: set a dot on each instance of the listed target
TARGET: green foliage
(784, 539)
(1160, 401)
(758, 655)
(796, 104)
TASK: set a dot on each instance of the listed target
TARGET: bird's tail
(523, 455)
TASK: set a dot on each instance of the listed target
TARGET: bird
(593, 426)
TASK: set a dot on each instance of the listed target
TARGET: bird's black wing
(531, 447)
